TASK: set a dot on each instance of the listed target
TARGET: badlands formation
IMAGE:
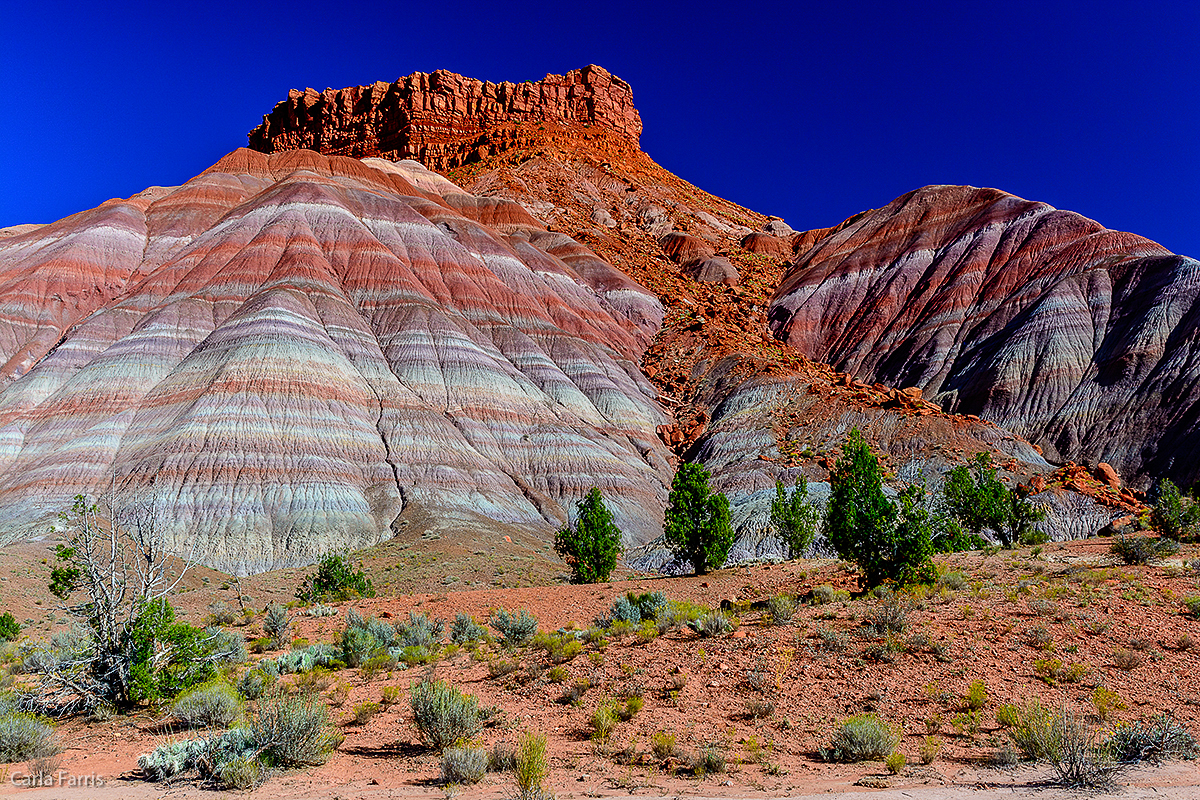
(1081, 339)
(285, 351)
(319, 333)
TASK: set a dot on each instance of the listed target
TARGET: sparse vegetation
(365, 711)
(466, 630)
(277, 624)
(780, 609)
(1156, 740)
(976, 697)
(1143, 549)
(1175, 516)
(714, 623)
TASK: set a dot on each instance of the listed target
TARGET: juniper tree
(696, 528)
(794, 517)
(592, 547)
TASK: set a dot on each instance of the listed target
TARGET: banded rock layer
(1084, 340)
(285, 351)
(443, 119)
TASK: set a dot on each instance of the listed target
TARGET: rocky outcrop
(443, 120)
(1082, 339)
(285, 352)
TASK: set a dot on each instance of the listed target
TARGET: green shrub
(592, 547)
(624, 610)
(824, 595)
(781, 608)
(1138, 550)
(295, 731)
(414, 655)
(240, 772)
(1067, 744)
(696, 527)
(515, 629)
(466, 630)
(1175, 516)
(795, 518)
(419, 632)
(1008, 715)
(714, 623)
(276, 625)
(334, 580)
(390, 695)
(889, 616)
(364, 712)
(976, 697)
(9, 629)
(464, 765)
(895, 762)
(861, 738)
(651, 605)
(530, 767)
(225, 648)
(603, 722)
(212, 705)
(710, 760)
(1106, 702)
(443, 714)
(663, 745)
(254, 683)
(1193, 605)
(1031, 730)
(1156, 740)
(954, 581)
(24, 737)
(560, 646)
(930, 748)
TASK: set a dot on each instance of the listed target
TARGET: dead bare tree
(116, 562)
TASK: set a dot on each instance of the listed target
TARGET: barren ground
(1088, 606)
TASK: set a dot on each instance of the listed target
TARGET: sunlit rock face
(1082, 339)
(282, 353)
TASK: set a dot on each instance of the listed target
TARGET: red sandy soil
(982, 630)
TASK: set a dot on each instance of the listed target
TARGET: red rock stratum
(443, 119)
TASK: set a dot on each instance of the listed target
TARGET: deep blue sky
(808, 111)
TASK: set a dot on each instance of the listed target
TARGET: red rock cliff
(443, 119)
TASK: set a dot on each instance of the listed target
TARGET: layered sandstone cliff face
(285, 351)
(1082, 339)
(443, 119)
